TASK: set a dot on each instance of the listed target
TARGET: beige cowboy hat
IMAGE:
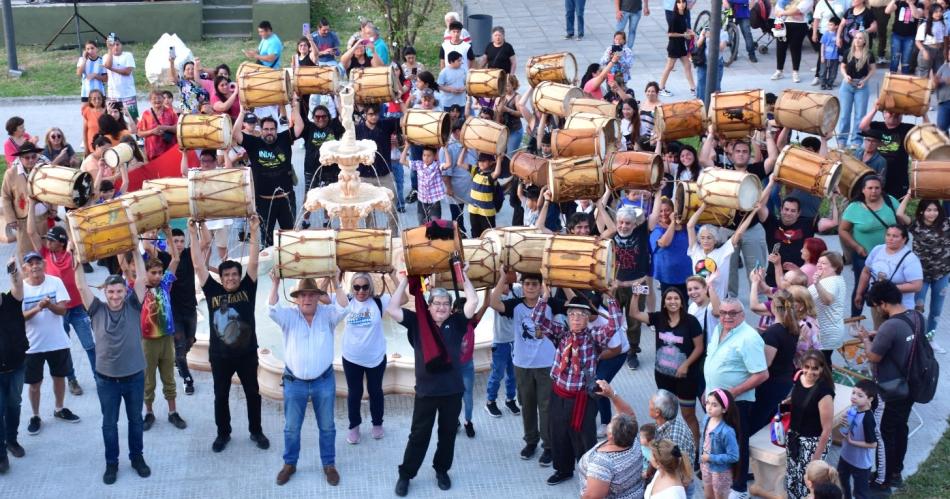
(306, 285)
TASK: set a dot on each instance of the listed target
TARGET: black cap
(872, 133)
(58, 234)
(27, 148)
(486, 157)
(250, 118)
(580, 302)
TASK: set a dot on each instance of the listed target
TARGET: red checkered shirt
(575, 362)
(431, 185)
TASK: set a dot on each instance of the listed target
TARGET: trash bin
(479, 26)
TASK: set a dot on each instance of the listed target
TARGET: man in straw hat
(15, 197)
(308, 374)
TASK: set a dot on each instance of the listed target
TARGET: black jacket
(13, 342)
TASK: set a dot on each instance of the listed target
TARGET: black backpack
(922, 370)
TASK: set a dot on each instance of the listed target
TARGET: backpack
(922, 371)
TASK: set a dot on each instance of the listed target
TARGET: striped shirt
(483, 194)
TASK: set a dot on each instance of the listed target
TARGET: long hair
(783, 307)
(694, 169)
(930, 17)
(217, 81)
(683, 302)
(801, 296)
(730, 416)
(922, 207)
(110, 126)
(859, 56)
(592, 70)
(672, 461)
(819, 358)
(635, 119)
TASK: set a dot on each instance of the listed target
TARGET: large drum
(925, 142)
(375, 85)
(571, 179)
(800, 168)
(584, 121)
(729, 188)
(686, 201)
(679, 120)
(221, 193)
(484, 135)
(809, 112)
(483, 268)
(578, 262)
(559, 68)
(905, 94)
(594, 106)
(119, 155)
(533, 170)
(488, 83)
(853, 171)
(555, 98)
(175, 190)
(316, 80)
(301, 254)
(147, 209)
(60, 185)
(260, 86)
(566, 143)
(427, 128)
(735, 115)
(520, 249)
(426, 256)
(930, 180)
(204, 131)
(364, 250)
(101, 231)
(633, 170)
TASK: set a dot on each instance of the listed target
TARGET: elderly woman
(58, 150)
(705, 256)
(931, 230)
(17, 137)
(192, 92)
(829, 292)
(812, 406)
(668, 245)
(893, 261)
(612, 467)
(451, 17)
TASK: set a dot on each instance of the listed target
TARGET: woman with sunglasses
(58, 150)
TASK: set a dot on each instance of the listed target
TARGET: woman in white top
(830, 294)
(704, 302)
(705, 256)
(673, 472)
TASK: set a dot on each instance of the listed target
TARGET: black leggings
(794, 37)
(354, 374)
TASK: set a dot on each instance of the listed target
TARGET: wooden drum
(119, 155)
(560, 67)
(426, 128)
(571, 179)
(221, 193)
(488, 83)
(204, 131)
(582, 121)
(853, 171)
(301, 254)
(594, 106)
(567, 143)
(555, 98)
(533, 170)
(175, 190)
(905, 94)
(316, 80)
(147, 209)
(686, 201)
(930, 180)
(729, 188)
(484, 135)
(375, 85)
(101, 231)
(426, 256)
(260, 86)
(483, 268)
(578, 262)
(798, 167)
(60, 185)
(809, 112)
(735, 115)
(520, 249)
(925, 142)
(633, 170)
(364, 250)
(679, 120)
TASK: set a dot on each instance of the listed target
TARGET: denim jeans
(854, 103)
(457, 211)
(468, 378)
(502, 366)
(574, 8)
(746, 29)
(374, 386)
(938, 289)
(79, 320)
(629, 20)
(11, 394)
(861, 476)
(514, 141)
(900, 52)
(606, 370)
(943, 116)
(857, 266)
(701, 78)
(296, 394)
(398, 175)
(112, 393)
(753, 252)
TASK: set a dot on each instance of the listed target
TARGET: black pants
(794, 37)
(354, 374)
(481, 223)
(222, 369)
(517, 213)
(881, 36)
(186, 321)
(862, 477)
(458, 215)
(739, 482)
(424, 412)
(273, 212)
(894, 431)
(567, 445)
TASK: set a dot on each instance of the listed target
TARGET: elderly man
(631, 239)
(370, 33)
(13, 347)
(15, 198)
(664, 408)
(735, 361)
(436, 334)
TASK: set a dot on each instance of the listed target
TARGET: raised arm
(471, 297)
(84, 292)
(772, 148)
(620, 404)
(140, 275)
(654, 217)
(902, 210)
(173, 250)
(501, 287)
(866, 120)
(197, 257)
(394, 309)
(707, 154)
(341, 298)
(173, 71)
(298, 119)
(691, 225)
(237, 131)
(254, 252)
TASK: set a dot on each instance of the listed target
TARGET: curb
(48, 99)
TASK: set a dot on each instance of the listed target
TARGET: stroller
(760, 13)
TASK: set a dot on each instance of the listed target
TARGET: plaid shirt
(677, 432)
(576, 358)
(431, 185)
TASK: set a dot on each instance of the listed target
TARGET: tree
(404, 19)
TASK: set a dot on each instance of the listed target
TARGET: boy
(455, 173)
(452, 82)
(431, 187)
(829, 55)
(482, 209)
(860, 440)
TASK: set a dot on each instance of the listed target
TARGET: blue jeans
(79, 320)
(606, 370)
(901, 47)
(701, 79)
(514, 141)
(943, 116)
(937, 288)
(502, 366)
(574, 8)
(468, 378)
(112, 393)
(296, 394)
(745, 28)
(854, 103)
(857, 266)
(11, 394)
(398, 175)
(630, 20)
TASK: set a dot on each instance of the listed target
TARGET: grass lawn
(933, 476)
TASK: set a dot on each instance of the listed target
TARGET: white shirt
(705, 317)
(831, 317)
(121, 86)
(824, 14)
(530, 352)
(308, 347)
(363, 341)
(45, 330)
(674, 492)
(620, 335)
(707, 263)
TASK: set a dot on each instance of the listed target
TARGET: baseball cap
(58, 234)
(31, 255)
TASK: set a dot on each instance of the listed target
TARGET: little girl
(673, 472)
(720, 455)
(819, 472)
(647, 435)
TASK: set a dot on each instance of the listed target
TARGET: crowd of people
(556, 349)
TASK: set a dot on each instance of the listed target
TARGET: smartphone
(111, 38)
(306, 29)
(171, 52)
(11, 268)
(616, 48)
(776, 247)
(364, 42)
(415, 70)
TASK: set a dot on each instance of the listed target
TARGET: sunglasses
(320, 116)
(360, 287)
(55, 136)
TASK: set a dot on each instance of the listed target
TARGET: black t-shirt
(633, 253)
(13, 342)
(783, 365)
(631, 5)
(231, 318)
(270, 163)
(500, 57)
(896, 177)
(436, 384)
(183, 289)
(314, 138)
(901, 14)
(806, 419)
(381, 135)
(791, 237)
(675, 344)
(852, 23)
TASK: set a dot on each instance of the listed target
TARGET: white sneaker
(795, 78)
(778, 75)
(816, 81)
(937, 348)
(666, 93)
(738, 495)
(602, 429)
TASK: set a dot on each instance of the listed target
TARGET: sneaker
(817, 81)
(753, 58)
(443, 480)
(557, 478)
(148, 421)
(469, 429)
(353, 436)
(412, 197)
(666, 93)
(795, 77)
(738, 495)
(66, 415)
(879, 489)
(568, 37)
(4, 465)
(138, 464)
(881, 61)
(601, 431)
(402, 487)
(528, 451)
(176, 420)
(15, 449)
(513, 407)
(897, 482)
(74, 387)
(492, 409)
(112, 470)
(633, 362)
(189, 386)
(34, 426)
(220, 443)
(377, 432)
(580, 37)
(937, 348)
(778, 75)
(545, 460)
(262, 441)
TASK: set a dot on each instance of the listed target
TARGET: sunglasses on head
(361, 287)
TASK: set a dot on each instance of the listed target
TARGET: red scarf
(434, 353)
(580, 405)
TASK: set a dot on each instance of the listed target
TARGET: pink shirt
(9, 149)
(235, 108)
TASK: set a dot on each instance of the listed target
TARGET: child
(482, 209)
(455, 173)
(719, 460)
(431, 188)
(857, 449)
(647, 435)
(451, 82)
(829, 55)
(819, 473)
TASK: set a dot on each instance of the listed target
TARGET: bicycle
(729, 25)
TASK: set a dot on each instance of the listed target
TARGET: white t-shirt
(705, 317)
(620, 335)
(831, 317)
(824, 14)
(717, 259)
(363, 340)
(529, 351)
(45, 330)
(121, 86)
